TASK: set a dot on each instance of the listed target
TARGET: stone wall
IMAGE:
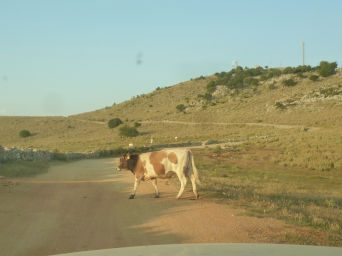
(12, 154)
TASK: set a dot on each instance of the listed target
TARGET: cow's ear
(128, 157)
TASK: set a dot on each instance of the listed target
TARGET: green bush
(289, 82)
(288, 70)
(274, 72)
(327, 69)
(272, 86)
(180, 107)
(137, 124)
(300, 75)
(24, 133)
(211, 86)
(296, 70)
(250, 81)
(114, 122)
(128, 131)
(313, 77)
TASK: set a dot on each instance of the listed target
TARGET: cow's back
(160, 163)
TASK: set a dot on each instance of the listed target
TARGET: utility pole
(303, 53)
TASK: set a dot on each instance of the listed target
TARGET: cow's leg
(136, 184)
(194, 188)
(154, 183)
(183, 181)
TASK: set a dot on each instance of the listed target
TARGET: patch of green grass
(15, 169)
(289, 82)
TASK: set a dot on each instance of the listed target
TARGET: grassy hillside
(305, 119)
(293, 174)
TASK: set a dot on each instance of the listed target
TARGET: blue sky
(71, 56)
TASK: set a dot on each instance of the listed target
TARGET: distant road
(84, 205)
(280, 126)
(89, 121)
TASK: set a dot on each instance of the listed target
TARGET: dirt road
(84, 205)
(279, 126)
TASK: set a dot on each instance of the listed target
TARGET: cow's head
(127, 162)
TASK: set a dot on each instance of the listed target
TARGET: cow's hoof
(197, 196)
(156, 196)
(131, 197)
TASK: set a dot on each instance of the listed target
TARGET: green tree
(128, 131)
(180, 107)
(289, 82)
(327, 69)
(313, 77)
(114, 122)
(24, 133)
(211, 87)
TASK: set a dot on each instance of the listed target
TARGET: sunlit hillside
(305, 118)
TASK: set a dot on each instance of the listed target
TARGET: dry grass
(316, 149)
(299, 196)
(294, 175)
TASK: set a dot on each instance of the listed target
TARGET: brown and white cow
(161, 164)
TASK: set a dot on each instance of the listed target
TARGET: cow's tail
(191, 162)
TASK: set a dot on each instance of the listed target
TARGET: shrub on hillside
(327, 69)
(180, 107)
(288, 70)
(250, 81)
(313, 77)
(298, 69)
(128, 131)
(300, 75)
(274, 72)
(114, 122)
(24, 133)
(211, 86)
(289, 82)
(272, 86)
(137, 124)
(280, 105)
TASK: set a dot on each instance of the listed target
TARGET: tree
(114, 122)
(128, 131)
(24, 133)
(180, 107)
(211, 86)
(327, 69)
(313, 77)
(289, 82)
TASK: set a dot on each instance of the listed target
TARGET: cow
(161, 164)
